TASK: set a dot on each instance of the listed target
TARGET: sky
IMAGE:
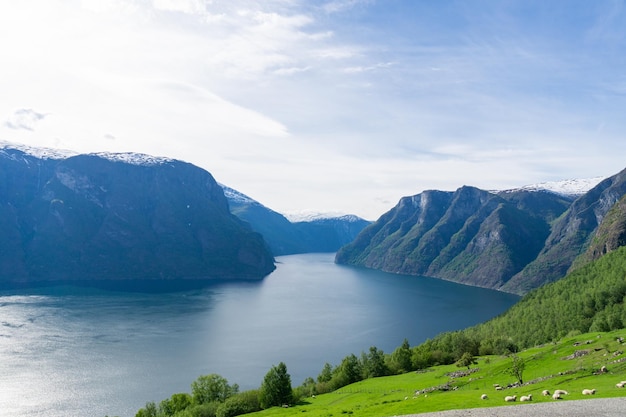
(340, 106)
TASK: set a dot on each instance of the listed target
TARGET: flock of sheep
(557, 395)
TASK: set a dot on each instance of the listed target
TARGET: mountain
(512, 240)
(285, 237)
(103, 217)
(570, 235)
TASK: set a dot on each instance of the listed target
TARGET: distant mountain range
(316, 233)
(98, 217)
(513, 240)
(101, 217)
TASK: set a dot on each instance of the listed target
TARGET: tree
(373, 363)
(150, 410)
(517, 368)
(348, 372)
(326, 374)
(276, 388)
(401, 358)
(467, 359)
(213, 387)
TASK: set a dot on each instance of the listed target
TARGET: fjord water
(67, 351)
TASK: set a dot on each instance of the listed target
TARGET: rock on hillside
(610, 235)
(118, 217)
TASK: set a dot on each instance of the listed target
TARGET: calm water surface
(68, 352)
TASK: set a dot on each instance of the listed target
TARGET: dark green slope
(588, 299)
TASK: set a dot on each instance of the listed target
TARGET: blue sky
(333, 106)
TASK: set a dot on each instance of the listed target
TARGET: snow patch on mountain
(133, 158)
(311, 216)
(572, 187)
(236, 196)
(41, 153)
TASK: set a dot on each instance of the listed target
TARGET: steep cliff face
(119, 217)
(609, 236)
(470, 236)
(570, 235)
(513, 240)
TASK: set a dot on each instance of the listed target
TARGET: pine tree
(276, 388)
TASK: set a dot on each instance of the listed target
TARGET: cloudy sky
(334, 106)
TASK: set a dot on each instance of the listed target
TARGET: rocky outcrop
(119, 217)
(610, 235)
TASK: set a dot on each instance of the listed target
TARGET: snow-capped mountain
(572, 187)
(311, 216)
(41, 153)
(236, 196)
(133, 158)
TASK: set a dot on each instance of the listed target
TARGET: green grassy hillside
(450, 387)
(550, 329)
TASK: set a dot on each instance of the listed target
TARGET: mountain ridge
(511, 240)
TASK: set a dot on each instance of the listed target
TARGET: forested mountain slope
(588, 299)
(119, 217)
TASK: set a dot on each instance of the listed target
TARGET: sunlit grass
(545, 370)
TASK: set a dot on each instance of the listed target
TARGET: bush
(244, 403)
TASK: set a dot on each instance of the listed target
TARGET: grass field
(545, 369)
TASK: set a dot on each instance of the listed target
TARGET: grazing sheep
(545, 393)
(498, 388)
(483, 397)
(620, 384)
(556, 396)
(561, 392)
(528, 397)
(603, 369)
(510, 399)
(589, 391)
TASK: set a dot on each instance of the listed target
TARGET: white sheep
(483, 397)
(589, 391)
(545, 393)
(621, 384)
(528, 397)
(498, 388)
(561, 392)
(510, 398)
(556, 396)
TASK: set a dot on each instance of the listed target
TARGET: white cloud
(24, 119)
(335, 105)
(338, 6)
